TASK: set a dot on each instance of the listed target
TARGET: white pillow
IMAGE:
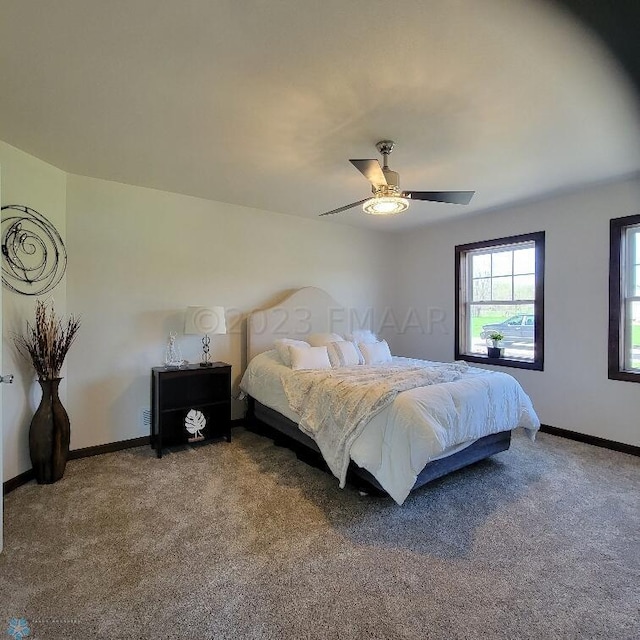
(311, 358)
(323, 339)
(362, 335)
(282, 347)
(375, 353)
(344, 354)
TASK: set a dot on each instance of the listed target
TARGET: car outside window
(500, 289)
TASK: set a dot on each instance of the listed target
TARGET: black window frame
(617, 230)
(538, 237)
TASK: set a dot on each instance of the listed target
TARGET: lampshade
(385, 205)
(204, 320)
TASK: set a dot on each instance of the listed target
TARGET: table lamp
(203, 321)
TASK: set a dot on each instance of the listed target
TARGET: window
(624, 299)
(499, 289)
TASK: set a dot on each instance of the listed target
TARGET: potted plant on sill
(46, 345)
(496, 351)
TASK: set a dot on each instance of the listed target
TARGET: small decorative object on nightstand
(173, 357)
(205, 320)
(190, 404)
(194, 423)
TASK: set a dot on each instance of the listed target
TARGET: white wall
(573, 392)
(139, 257)
(36, 184)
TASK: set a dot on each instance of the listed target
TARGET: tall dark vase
(49, 435)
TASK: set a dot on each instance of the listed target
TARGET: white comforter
(420, 425)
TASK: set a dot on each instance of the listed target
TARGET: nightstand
(190, 405)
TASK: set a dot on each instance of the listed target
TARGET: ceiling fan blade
(346, 206)
(452, 197)
(371, 170)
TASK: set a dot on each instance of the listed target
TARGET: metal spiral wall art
(34, 257)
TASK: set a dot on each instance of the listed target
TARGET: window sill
(626, 376)
(503, 362)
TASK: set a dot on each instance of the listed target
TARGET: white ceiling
(262, 102)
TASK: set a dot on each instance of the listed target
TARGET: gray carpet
(243, 540)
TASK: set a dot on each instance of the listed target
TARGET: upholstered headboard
(308, 310)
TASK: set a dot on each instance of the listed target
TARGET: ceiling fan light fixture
(388, 199)
(385, 205)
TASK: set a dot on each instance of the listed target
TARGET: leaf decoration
(195, 422)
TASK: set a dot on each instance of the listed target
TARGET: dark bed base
(265, 421)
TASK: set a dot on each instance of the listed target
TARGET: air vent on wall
(145, 418)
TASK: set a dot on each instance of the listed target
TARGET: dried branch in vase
(47, 342)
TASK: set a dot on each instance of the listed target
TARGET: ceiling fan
(387, 196)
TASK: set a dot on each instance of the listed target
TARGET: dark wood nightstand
(190, 405)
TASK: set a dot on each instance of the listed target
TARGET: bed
(429, 420)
